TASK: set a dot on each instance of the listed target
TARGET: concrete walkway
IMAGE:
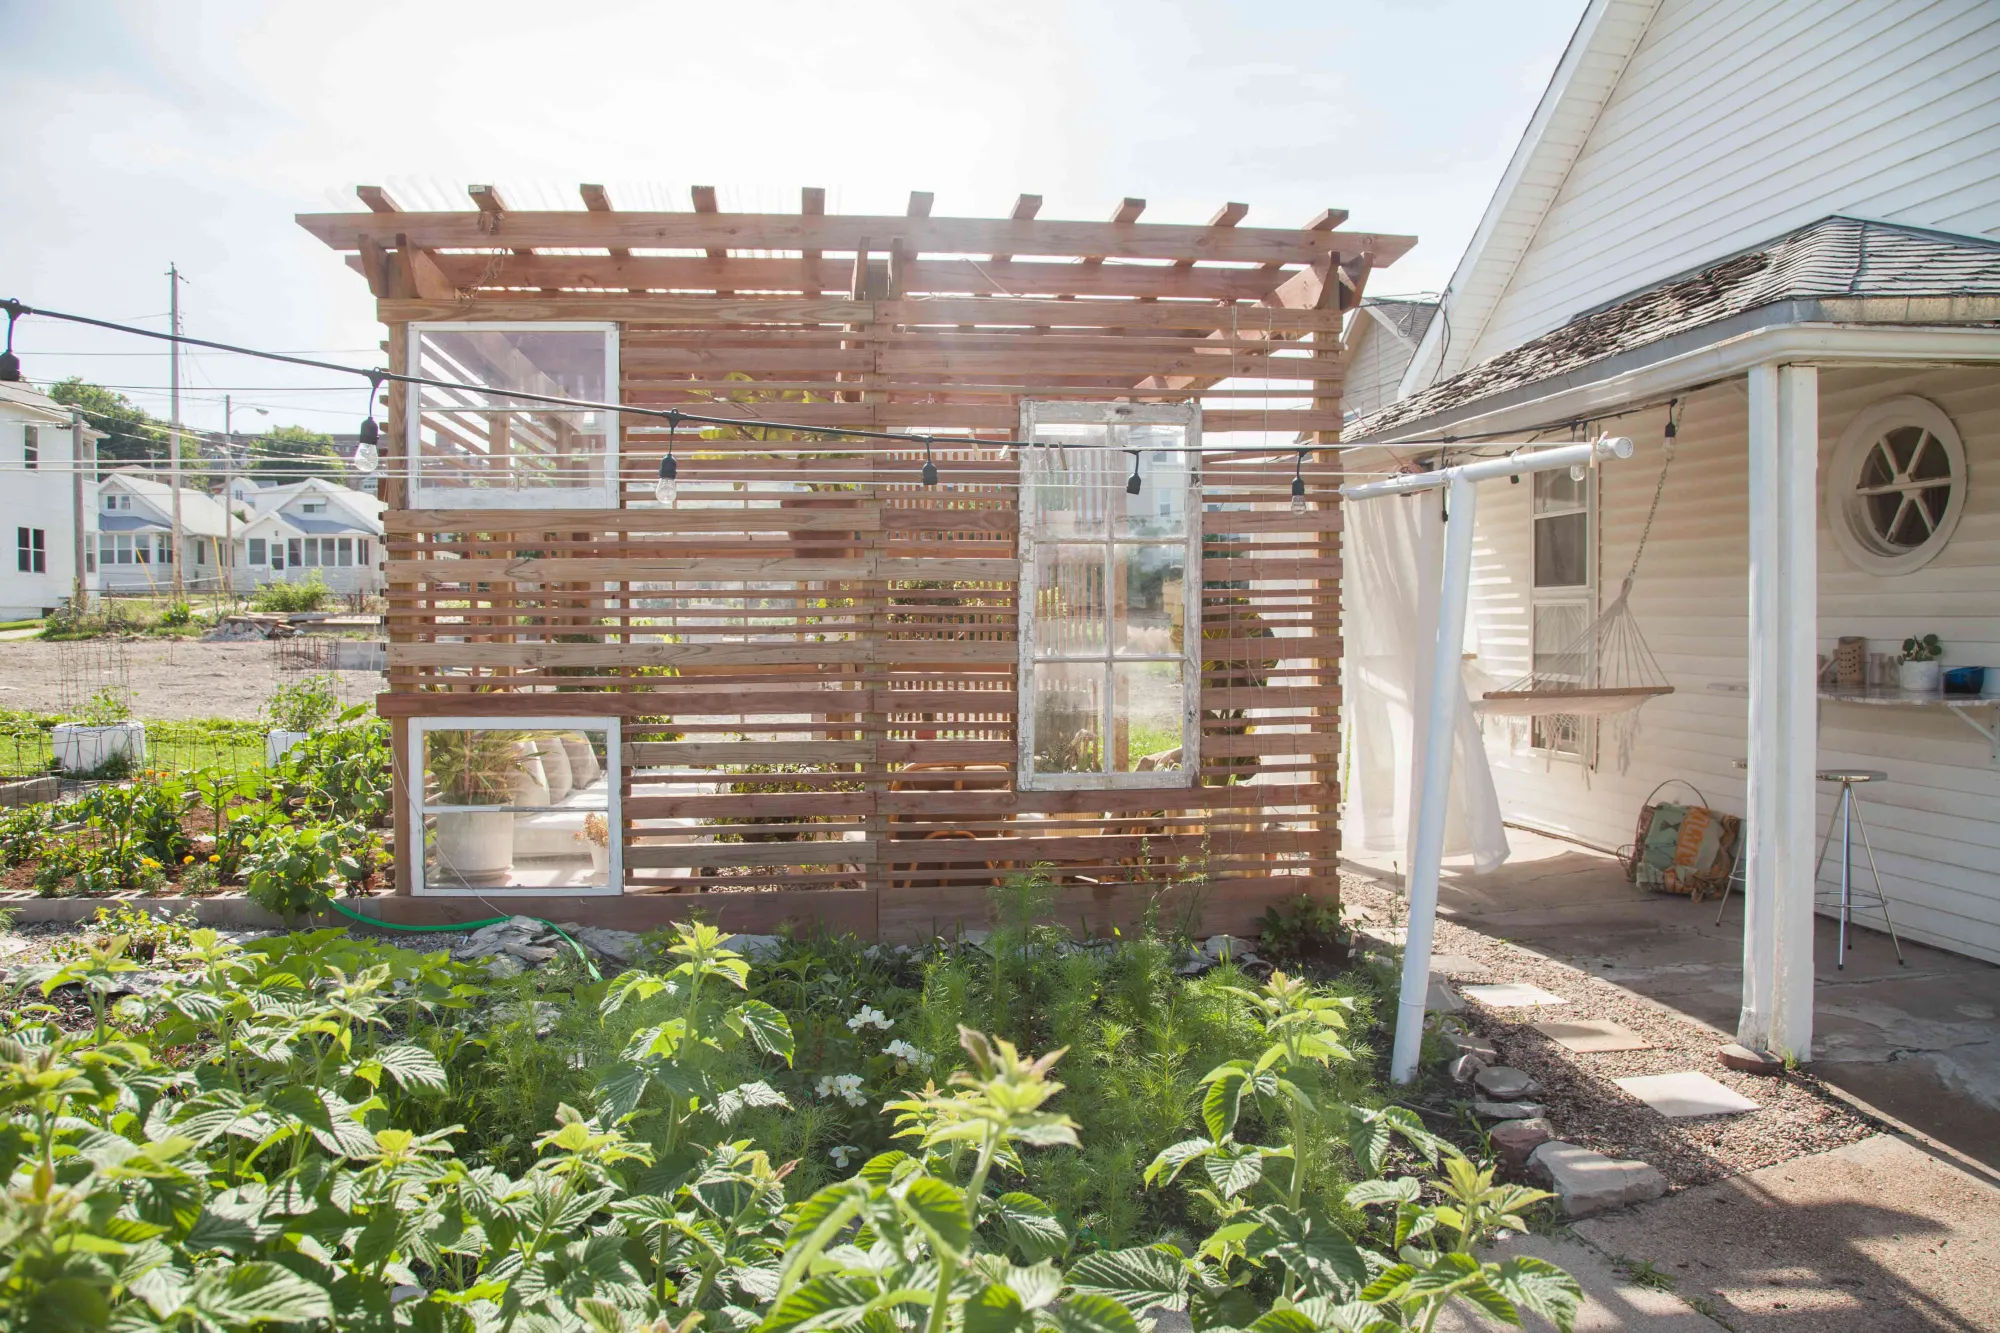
(1920, 1042)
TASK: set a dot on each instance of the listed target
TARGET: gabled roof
(1406, 319)
(1584, 80)
(25, 402)
(1836, 257)
(201, 513)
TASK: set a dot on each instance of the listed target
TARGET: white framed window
(477, 449)
(346, 545)
(1896, 485)
(293, 555)
(313, 507)
(1110, 603)
(516, 806)
(1562, 596)
(31, 447)
(31, 550)
(257, 555)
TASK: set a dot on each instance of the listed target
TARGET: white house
(1382, 340)
(309, 526)
(38, 501)
(1779, 224)
(135, 545)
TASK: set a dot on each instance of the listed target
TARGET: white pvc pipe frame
(1461, 485)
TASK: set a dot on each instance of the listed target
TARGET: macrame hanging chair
(1606, 669)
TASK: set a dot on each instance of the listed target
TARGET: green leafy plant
(303, 705)
(1305, 930)
(177, 615)
(107, 708)
(1922, 649)
(283, 598)
(294, 871)
(474, 766)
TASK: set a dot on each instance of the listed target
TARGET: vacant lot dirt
(168, 678)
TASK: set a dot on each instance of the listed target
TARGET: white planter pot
(277, 742)
(1919, 677)
(475, 847)
(85, 749)
(600, 858)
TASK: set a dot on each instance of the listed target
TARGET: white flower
(907, 1054)
(870, 1017)
(841, 1154)
(847, 1087)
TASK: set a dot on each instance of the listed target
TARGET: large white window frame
(1561, 736)
(1035, 544)
(420, 807)
(603, 495)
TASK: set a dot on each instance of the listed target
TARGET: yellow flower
(149, 863)
(188, 860)
(214, 858)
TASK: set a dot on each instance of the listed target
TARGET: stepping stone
(1506, 1110)
(1593, 1034)
(1515, 1140)
(1466, 1068)
(1458, 967)
(1586, 1182)
(1442, 999)
(1685, 1094)
(1506, 1085)
(1746, 1061)
(1511, 995)
(1466, 1043)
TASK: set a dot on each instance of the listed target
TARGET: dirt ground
(169, 678)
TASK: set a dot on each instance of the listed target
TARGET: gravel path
(169, 678)
(1796, 1114)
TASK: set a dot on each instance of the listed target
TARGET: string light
(668, 488)
(367, 457)
(10, 365)
(930, 464)
(1299, 484)
(1132, 482)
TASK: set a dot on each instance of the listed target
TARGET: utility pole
(228, 561)
(80, 595)
(174, 281)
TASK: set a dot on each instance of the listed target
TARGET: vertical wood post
(1784, 611)
(80, 594)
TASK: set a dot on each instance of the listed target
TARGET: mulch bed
(1796, 1115)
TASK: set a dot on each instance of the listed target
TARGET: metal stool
(1847, 815)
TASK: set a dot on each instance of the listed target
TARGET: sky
(139, 135)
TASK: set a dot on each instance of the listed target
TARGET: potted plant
(104, 740)
(293, 711)
(479, 768)
(1918, 672)
(596, 837)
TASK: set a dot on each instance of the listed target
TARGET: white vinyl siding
(1738, 120)
(1936, 821)
(1375, 363)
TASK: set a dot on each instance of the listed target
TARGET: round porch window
(1896, 485)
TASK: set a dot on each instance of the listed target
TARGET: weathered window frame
(1035, 415)
(603, 495)
(1544, 731)
(418, 807)
(1855, 532)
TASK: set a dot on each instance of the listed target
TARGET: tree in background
(293, 453)
(132, 434)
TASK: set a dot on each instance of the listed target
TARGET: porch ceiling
(911, 320)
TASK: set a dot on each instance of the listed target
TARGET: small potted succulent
(1919, 670)
(104, 740)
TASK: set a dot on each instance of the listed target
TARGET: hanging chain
(1659, 489)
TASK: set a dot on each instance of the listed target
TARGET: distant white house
(1780, 229)
(38, 501)
(301, 528)
(1382, 340)
(135, 546)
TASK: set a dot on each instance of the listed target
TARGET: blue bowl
(1965, 680)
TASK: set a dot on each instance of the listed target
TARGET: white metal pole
(174, 424)
(1447, 688)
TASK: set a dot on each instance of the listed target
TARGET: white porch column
(1784, 613)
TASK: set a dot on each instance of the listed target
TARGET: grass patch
(27, 747)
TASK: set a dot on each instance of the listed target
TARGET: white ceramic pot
(1919, 677)
(86, 749)
(277, 742)
(473, 847)
(600, 858)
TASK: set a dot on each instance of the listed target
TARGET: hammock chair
(1606, 669)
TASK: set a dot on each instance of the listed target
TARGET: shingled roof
(1834, 257)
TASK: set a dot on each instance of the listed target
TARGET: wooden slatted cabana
(815, 662)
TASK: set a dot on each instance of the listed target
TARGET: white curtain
(1395, 551)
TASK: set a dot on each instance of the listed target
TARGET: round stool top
(1851, 775)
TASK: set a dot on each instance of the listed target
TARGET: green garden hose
(380, 924)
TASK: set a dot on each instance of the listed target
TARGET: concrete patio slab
(1593, 1034)
(1684, 1095)
(1879, 1235)
(1511, 995)
(1458, 967)
(1612, 1301)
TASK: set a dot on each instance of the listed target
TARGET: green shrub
(294, 870)
(307, 594)
(303, 705)
(342, 772)
(177, 615)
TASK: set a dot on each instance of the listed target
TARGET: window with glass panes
(1110, 603)
(1563, 593)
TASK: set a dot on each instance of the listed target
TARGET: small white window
(1896, 485)
(1563, 589)
(31, 447)
(521, 806)
(346, 546)
(1111, 596)
(476, 448)
(257, 556)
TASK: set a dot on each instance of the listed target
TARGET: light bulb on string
(10, 365)
(1132, 482)
(667, 488)
(1299, 484)
(930, 473)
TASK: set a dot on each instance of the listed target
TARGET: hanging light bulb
(1132, 482)
(1299, 484)
(367, 457)
(930, 464)
(371, 435)
(10, 365)
(667, 488)
(1576, 472)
